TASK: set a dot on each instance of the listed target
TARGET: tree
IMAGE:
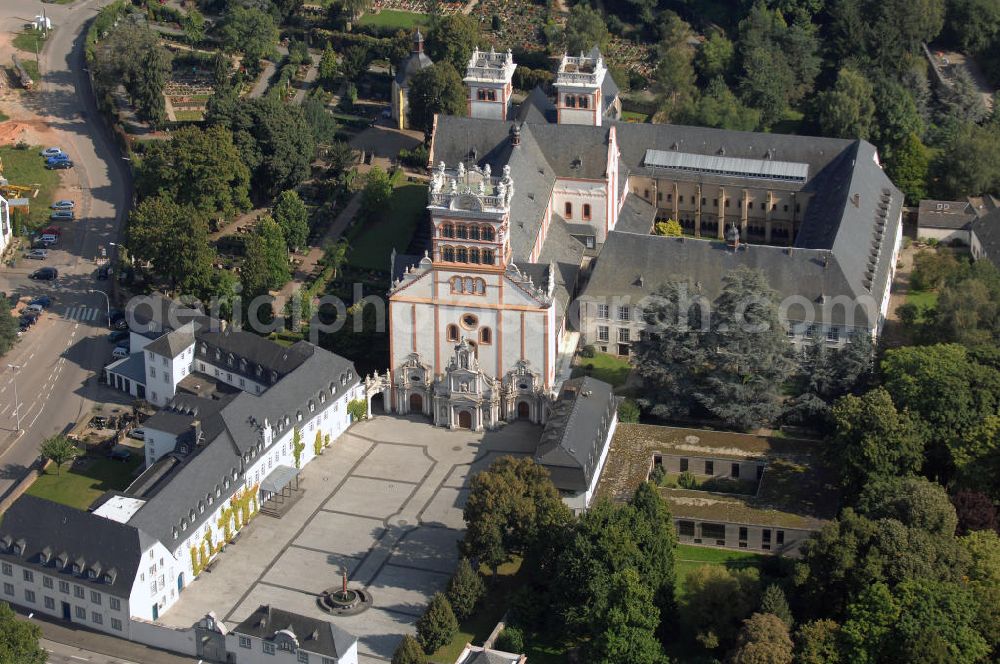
(328, 67)
(435, 89)
(715, 57)
(132, 56)
(273, 249)
(438, 625)
(376, 194)
(628, 411)
(975, 511)
(510, 639)
(173, 238)
(318, 443)
(58, 449)
(716, 600)
(916, 502)
(250, 31)
(626, 634)
(585, 29)
(719, 107)
(674, 74)
(908, 166)
(452, 38)
(285, 142)
(197, 167)
(872, 440)
(320, 120)
(465, 589)
(8, 333)
(408, 652)
(292, 216)
(297, 446)
(763, 639)
(669, 228)
(193, 25)
(983, 548)
(973, 24)
(19, 639)
(960, 99)
(848, 109)
(772, 601)
(816, 642)
(969, 163)
(742, 386)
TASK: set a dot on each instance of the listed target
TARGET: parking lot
(385, 502)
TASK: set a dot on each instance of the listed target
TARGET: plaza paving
(385, 502)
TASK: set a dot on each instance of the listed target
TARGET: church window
(461, 232)
(473, 255)
(456, 284)
(486, 257)
(447, 230)
(448, 253)
(452, 333)
(487, 233)
(485, 336)
(584, 101)
(469, 321)
(486, 95)
(480, 287)
(473, 232)
(467, 285)
(680, 199)
(586, 211)
(461, 255)
(571, 101)
(569, 210)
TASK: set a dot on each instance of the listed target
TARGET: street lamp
(106, 299)
(17, 404)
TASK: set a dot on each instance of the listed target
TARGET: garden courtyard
(385, 502)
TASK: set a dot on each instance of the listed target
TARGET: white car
(38, 254)
(34, 308)
(119, 353)
(138, 434)
(50, 152)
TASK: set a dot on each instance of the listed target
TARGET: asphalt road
(60, 356)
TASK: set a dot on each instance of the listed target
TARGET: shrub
(686, 480)
(415, 158)
(588, 351)
(658, 475)
(510, 640)
(628, 411)
(358, 409)
(465, 589)
(408, 652)
(438, 624)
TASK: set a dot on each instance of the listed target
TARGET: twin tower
(585, 92)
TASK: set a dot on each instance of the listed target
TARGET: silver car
(38, 254)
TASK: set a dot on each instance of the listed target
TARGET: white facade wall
(226, 375)
(578, 193)
(482, 108)
(250, 650)
(155, 587)
(157, 444)
(166, 638)
(582, 116)
(6, 230)
(164, 373)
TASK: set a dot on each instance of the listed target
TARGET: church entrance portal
(523, 410)
(465, 419)
(416, 403)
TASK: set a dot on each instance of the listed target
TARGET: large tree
(763, 639)
(818, 642)
(200, 168)
(716, 601)
(250, 31)
(19, 639)
(58, 449)
(968, 164)
(452, 38)
(916, 502)
(717, 106)
(376, 194)
(268, 243)
(908, 165)
(626, 631)
(131, 55)
(848, 109)
(750, 359)
(585, 29)
(435, 89)
(872, 440)
(173, 238)
(293, 218)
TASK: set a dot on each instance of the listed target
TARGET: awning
(278, 478)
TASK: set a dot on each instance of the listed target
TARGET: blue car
(58, 158)
(43, 301)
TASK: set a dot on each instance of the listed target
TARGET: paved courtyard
(385, 502)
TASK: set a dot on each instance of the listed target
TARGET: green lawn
(923, 299)
(632, 116)
(689, 558)
(391, 18)
(26, 167)
(609, 368)
(372, 242)
(4, 117)
(31, 66)
(30, 41)
(189, 116)
(81, 488)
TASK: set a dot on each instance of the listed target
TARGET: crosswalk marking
(81, 313)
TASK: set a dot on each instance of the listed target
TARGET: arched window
(447, 230)
(480, 287)
(485, 336)
(584, 101)
(569, 210)
(452, 333)
(473, 255)
(456, 284)
(461, 255)
(586, 211)
(467, 285)
(448, 254)
(461, 232)
(486, 257)
(473, 232)
(487, 233)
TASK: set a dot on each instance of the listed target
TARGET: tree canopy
(292, 216)
(435, 89)
(19, 639)
(452, 38)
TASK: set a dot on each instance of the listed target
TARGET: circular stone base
(331, 602)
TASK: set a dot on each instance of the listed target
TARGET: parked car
(37, 254)
(57, 158)
(52, 230)
(59, 165)
(119, 454)
(119, 352)
(64, 204)
(117, 319)
(118, 336)
(138, 434)
(63, 215)
(45, 274)
(34, 308)
(43, 301)
(48, 239)
(28, 319)
(51, 152)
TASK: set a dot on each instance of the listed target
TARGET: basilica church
(541, 217)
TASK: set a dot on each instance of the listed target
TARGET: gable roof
(414, 63)
(45, 529)
(572, 442)
(319, 636)
(536, 108)
(945, 214)
(173, 343)
(987, 231)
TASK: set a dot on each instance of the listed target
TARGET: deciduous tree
(19, 639)
(627, 630)
(716, 600)
(438, 624)
(376, 194)
(465, 589)
(763, 639)
(817, 642)
(848, 109)
(58, 449)
(250, 31)
(585, 29)
(451, 38)
(435, 89)
(292, 216)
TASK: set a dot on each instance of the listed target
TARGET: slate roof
(316, 636)
(987, 231)
(413, 64)
(609, 92)
(636, 215)
(954, 215)
(173, 343)
(490, 657)
(257, 350)
(152, 315)
(536, 108)
(64, 533)
(572, 441)
(132, 367)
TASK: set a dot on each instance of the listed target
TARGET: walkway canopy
(279, 478)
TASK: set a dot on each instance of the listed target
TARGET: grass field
(30, 41)
(81, 488)
(31, 66)
(609, 368)
(689, 558)
(372, 242)
(26, 167)
(923, 299)
(390, 18)
(632, 116)
(189, 116)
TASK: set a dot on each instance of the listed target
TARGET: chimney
(196, 432)
(856, 200)
(515, 135)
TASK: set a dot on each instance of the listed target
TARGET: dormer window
(204, 349)
(243, 364)
(225, 482)
(350, 375)
(312, 407)
(174, 533)
(298, 416)
(259, 370)
(17, 549)
(201, 507)
(322, 397)
(192, 515)
(230, 359)
(218, 354)
(274, 376)
(184, 524)
(218, 491)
